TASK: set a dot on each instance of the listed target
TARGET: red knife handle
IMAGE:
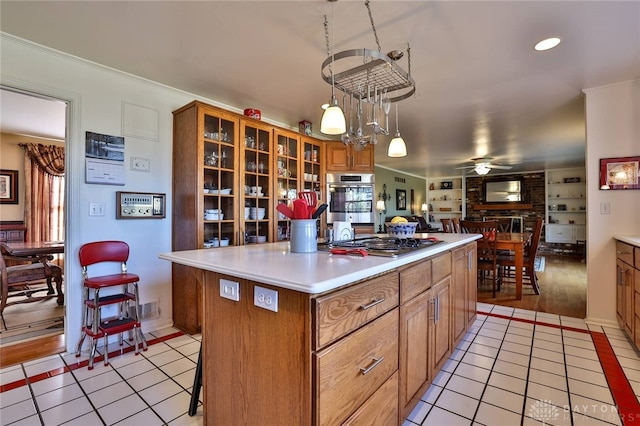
(359, 251)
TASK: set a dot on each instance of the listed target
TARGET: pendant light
(397, 147)
(333, 121)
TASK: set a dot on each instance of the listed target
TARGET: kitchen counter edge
(312, 273)
(634, 240)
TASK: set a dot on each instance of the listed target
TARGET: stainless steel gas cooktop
(382, 246)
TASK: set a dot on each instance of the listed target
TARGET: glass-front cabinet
(219, 199)
(256, 206)
(311, 167)
(286, 165)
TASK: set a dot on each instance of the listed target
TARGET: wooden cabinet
(258, 210)
(10, 232)
(226, 184)
(464, 290)
(625, 289)
(359, 355)
(346, 158)
(205, 151)
(424, 332)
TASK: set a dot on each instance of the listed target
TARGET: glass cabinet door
(220, 154)
(311, 170)
(287, 172)
(256, 207)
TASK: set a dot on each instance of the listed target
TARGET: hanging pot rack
(376, 71)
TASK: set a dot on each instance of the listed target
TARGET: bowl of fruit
(400, 227)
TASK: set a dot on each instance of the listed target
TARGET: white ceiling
(477, 75)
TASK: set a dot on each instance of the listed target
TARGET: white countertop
(634, 240)
(311, 273)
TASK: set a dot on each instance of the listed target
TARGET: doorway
(35, 119)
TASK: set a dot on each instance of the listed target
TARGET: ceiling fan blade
(495, 166)
(465, 167)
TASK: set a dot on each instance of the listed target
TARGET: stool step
(118, 325)
(110, 300)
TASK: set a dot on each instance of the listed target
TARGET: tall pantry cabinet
(229, 174)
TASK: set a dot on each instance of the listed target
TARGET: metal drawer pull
(376, 361)
(372, 304)
(623, 252)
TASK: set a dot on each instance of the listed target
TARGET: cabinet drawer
(440, 267)
(624, 252)
(636, 250)
(351, 370)
(339, 313)
(380, 409)
(414, 280)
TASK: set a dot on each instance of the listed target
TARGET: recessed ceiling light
(547, 44)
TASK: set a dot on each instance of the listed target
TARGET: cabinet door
(414, 350)
(257, 208)
(440, 314)
(286, 168)
(472, 282)
(559, 233)
(628, 299)
(338, 159)
(459, 283)
(363, 161)
(620, 292)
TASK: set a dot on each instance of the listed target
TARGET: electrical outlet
(230, 290)
(96, 209)
(265, 298)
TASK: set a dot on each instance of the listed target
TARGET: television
(503, 191)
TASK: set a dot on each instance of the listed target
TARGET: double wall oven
(351, 198)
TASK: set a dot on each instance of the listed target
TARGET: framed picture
(620, 173)
(401, 199)
(8, 187)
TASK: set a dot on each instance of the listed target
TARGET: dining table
(515, 242)
(36, 251)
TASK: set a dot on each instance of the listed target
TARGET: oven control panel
(140, 205)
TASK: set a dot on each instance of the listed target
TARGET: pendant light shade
(397, 147)
(333, 121)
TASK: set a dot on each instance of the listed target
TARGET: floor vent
(147, 310)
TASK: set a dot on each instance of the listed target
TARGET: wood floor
(563, 290)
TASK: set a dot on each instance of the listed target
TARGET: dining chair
(455, 225)
(505, 224)
(94, 325)
(529, 276)
(447, 226)
(488, 265)
(26, 280)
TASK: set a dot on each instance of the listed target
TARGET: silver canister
(328, 235)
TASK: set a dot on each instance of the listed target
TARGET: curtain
(44, 192)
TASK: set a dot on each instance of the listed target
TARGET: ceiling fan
(482, 166)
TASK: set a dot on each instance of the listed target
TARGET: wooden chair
(505, 224)
(455, 223)
(447, 226)
(531, 249)
(27, 280)
(488, 266)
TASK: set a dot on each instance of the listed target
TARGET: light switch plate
(140, 164)
(230, 290)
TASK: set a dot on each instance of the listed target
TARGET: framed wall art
(8, 187)
(620, 173)
(401, 199)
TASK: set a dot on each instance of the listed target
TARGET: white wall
(613, 130)
(96, 94)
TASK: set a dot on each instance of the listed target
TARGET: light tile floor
(513, 367)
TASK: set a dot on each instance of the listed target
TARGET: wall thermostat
(140, 205)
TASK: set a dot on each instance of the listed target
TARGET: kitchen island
(321, 339)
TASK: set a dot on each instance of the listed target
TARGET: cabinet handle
(623, 252)
(375, 363)
(620, 277)
(433, 302)
(469, 261)
(372, 304)
(438, 308)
